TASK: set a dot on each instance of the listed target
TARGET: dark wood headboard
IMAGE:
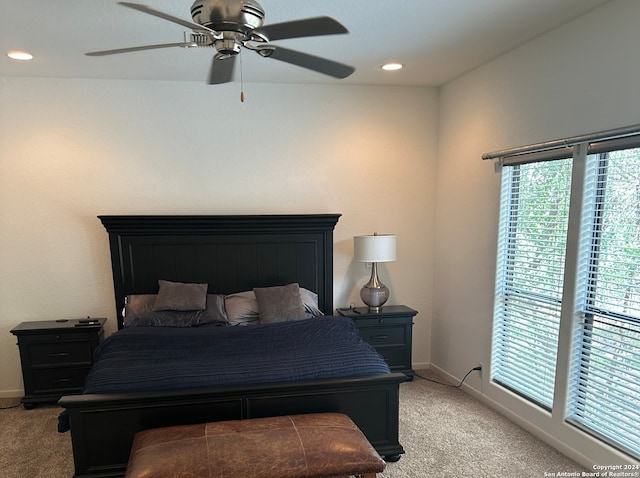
(230, 253)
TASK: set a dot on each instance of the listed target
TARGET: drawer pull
(379, 336)
(63, 380)
(60, 354)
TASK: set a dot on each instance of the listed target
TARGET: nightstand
(56, 356)
(389, 331)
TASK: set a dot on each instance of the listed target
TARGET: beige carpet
(30, 445)
(445, 432)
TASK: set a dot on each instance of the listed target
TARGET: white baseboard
(11, 393)
(420, 366)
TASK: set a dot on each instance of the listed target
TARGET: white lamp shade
(376, 248)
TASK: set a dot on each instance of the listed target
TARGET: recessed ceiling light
(392, 66)
(19, 55)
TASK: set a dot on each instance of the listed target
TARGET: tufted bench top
(315, 445)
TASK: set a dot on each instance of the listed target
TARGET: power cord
(478, 368)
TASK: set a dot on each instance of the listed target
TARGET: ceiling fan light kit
(230, 25)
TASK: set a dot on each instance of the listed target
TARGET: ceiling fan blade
(166, 16)
(302, 28)
(311, 62)
(139, 48)
(221, 70)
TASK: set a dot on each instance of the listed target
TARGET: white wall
(581, 78)
(73, 149)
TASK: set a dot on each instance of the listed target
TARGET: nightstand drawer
(58, 379)
(76, 333)
(383, 335)
(381, 321)
(394, 356)
(60, 353)
(389, 331)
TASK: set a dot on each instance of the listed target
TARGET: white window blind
(605, 388)
(530, 268)
(602, 381)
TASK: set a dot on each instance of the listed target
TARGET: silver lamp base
(374, 293)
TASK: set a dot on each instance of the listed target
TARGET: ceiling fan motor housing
(228, 15)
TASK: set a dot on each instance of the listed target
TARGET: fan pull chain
(241, 79)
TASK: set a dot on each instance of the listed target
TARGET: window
(533, 232)
(535, 238)
(605, 395)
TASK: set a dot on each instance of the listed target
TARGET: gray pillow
(310, 302)
(242, 308)
(139, 311)
(137, 305)
(181, 296)
(279, 303)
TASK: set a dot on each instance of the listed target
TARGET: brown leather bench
(316, 445)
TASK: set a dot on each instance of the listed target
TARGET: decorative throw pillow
(139, 312)
(181, 296)
(279, 303)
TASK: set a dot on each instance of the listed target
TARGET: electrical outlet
(481, 366)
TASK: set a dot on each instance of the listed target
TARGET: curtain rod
(564, 143)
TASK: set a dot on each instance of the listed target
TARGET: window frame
(570, 320)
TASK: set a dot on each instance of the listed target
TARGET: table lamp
(374, 249)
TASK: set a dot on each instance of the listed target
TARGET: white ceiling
(436, 40)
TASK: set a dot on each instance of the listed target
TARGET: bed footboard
(103, 426)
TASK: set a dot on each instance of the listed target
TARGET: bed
(230, 254)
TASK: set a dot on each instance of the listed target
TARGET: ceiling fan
(230, 25)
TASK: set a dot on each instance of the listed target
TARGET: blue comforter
(140, 359)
